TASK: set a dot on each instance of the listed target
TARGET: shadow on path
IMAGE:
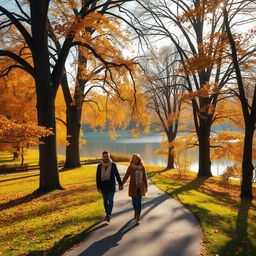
(100, 247)
(240, 245)
(67, 242)
(152, 203)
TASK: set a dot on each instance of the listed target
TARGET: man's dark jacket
(108, 185)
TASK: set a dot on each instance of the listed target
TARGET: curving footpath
(167, 228)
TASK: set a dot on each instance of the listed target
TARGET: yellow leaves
(229, 110)
(18, 90)
(21, 134)
(64, 21)
(112, 134)
(115, 112)
(227, 145)
(191, 13)
(117, 104)
(180, 147)
(200, 11)
(205, 91)
(198, 63)
(135, 132)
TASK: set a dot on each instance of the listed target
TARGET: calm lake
(145, 145)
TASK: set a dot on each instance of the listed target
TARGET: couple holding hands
(106, 177)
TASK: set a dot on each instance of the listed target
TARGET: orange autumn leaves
(15, 135)
(17, 113)
(107, 42)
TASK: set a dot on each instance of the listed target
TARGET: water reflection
(145, 145)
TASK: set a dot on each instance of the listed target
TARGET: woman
(138, 185)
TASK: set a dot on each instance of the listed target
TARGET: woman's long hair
(140, 162)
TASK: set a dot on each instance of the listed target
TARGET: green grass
(48, 224)
(31, 157)
(229, 226)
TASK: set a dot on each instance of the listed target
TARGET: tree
(247, 96)
(15, 135)
(202, 51)
(17, 90)
(32, 24)
(164, 87)
(112, 112)
(99, 66)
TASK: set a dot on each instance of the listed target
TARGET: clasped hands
(119, 187)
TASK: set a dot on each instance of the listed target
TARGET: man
(106, 177)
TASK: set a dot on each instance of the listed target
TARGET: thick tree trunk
(73, 132)
(247, 166)
(249, 118)
(49, 176)
(204, 161)
(46, 92)
(170, 159)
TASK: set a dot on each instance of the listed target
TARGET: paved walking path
(166, 229)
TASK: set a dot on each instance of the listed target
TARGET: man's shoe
(108, 218)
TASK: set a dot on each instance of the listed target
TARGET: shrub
(231, 171)
(120, 157)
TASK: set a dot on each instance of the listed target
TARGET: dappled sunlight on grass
(228, 224)
(31, 157)
(38, 223)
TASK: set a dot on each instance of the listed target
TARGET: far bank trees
(165, 90)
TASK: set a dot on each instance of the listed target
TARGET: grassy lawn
(31, 157)
(229, 225)
(51, 223)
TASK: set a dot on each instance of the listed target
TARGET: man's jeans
(136, 202)
(108, 201)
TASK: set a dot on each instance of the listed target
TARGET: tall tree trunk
(73, 132)
(46, 92)
(49, 176)
(247, 166)
(249, 117)
(204, 161)
(170, 159)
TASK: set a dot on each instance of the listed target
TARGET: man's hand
(121, 187)
(99, 190)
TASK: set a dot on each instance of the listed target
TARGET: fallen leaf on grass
(205, 240)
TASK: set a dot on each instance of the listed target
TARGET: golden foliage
(205, 91)
(60, 113)
(15, 135)
(18, 90)
(200, 11)
(117, 106)
(229, 110)
(229, 145)
(180, 147)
